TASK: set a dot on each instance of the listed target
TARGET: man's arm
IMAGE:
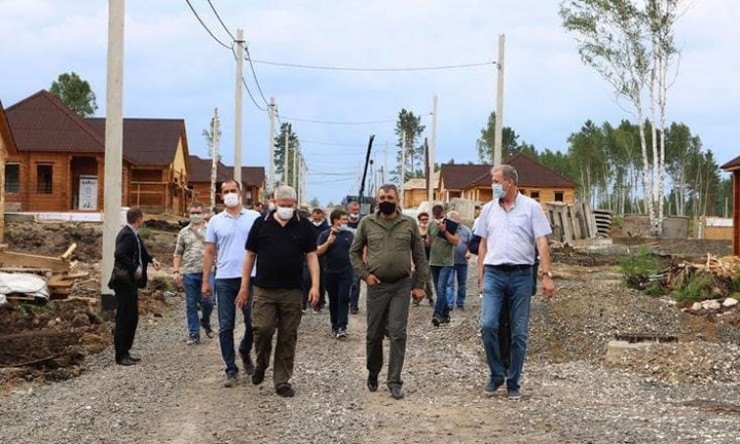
(242, 298)
(419, 257)
(324, 247)
(313, 269)
(356, 253)
(482, 249)
(209, 252)
(548, 285)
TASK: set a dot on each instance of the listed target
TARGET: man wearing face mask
(392, 243)
(226, 234)
(333, 248)
(441, 262)
(353, 221)
(279, 243)
(510, 226)
(319, 224)
(189, 256)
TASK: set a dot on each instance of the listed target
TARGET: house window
(559, 196)
(535, 195)
(44, 178)
(12, 178)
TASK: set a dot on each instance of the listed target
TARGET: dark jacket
(127, 257)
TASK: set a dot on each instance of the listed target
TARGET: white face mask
(498, 190)
(354, 216)
(343, 227)
(270, 206)
(231, 200)
(317, 223)
(285, 213)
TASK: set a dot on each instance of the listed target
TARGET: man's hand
(372, 280)
(332, 237)
(418, 294)
(313, 297)
(205, 289)
(242, 298)
(177, 277)
(548, 287)
(156, 264)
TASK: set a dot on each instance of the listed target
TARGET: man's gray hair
(285, 192)
(454, 215)
(508, 171)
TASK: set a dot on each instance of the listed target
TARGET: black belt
(510, 267)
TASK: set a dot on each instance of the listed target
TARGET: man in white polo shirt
(510, 226)
(226, 235)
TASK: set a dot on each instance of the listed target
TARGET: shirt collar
(132, 228)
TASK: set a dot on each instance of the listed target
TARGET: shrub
(697, 288)
(637, 268)
(144, 232)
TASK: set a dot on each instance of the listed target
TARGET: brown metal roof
(5, 133)
(147, 141)
(456, 177)
(531, 174)
(42, 122)
(200, 170)
(253, 176)
(732, 165)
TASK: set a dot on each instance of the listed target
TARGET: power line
(351, 145)
(218, 16)
(385, 69)
(254, 73)
(337, 122)
(208, 30)
(251, 96)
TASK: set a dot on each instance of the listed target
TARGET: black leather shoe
(285, 391)
(258, 376)
(397, 392)
(246, 362)
(125, 361)
(134, 358)
(372, 382)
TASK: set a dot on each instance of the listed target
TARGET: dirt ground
(692, 389)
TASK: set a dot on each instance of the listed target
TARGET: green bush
(697, 289)
(145, 232)
(637, 268)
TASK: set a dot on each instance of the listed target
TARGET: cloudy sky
(174, 69)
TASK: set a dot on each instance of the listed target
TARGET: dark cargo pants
(279, 307)
(388, 307)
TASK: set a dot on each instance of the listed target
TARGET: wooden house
(59, 164)
(415, 191)
(535, 180)
(253, 183)
(7, 148)
(733, 167)
(455, 178)
(199, 180)
(158, 149)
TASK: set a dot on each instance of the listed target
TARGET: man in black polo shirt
(280, 243)
(333, 250)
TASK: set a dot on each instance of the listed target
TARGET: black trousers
(127, 319)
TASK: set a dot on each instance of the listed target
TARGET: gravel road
(175, 395)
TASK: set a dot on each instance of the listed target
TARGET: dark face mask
(387, 208)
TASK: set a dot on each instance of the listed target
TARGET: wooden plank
(65, 256)
(11, 259)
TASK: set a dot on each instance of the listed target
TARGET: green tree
(289, 177)
(588, 150)
(510, 144)
(75, 93)
(314, 203)
(409, 126)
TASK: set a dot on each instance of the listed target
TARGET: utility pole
(215, 126)
(498, 134)
(385, 163)
(403, 165)
(238, 111)
(113, 142)
(294, 170)
(285, 155)
(271, 146)
(432, 153)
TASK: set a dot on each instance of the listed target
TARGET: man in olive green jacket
(396, 263)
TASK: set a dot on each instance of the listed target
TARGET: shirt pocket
(402, 241)
(375, 242)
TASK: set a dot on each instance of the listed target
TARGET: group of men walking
(269, 265)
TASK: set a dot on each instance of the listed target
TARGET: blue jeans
(338, 286)
(461, 271)
(440, 276)
(226, 292)
(516, 288)
(354, 292)
(192, 283)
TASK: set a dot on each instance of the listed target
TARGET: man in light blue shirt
(226, 239)
(510, 226)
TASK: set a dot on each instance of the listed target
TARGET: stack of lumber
(56, 270)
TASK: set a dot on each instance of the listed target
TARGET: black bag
(120, 276)
(474, 244)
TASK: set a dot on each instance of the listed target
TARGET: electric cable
(218, 16)
(384, 69)
(208, 30)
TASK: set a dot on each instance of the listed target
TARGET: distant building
(733, 167)
(7, 148)
(415, 191)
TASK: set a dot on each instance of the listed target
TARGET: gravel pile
(175, 394)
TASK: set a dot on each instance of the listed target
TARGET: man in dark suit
(129, 274)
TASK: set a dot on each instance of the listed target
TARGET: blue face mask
(498, 190)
